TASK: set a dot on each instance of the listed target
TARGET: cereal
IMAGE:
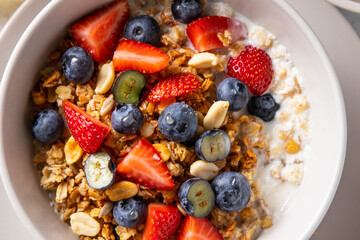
(163, 151)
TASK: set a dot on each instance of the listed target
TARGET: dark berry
(128, 86)
(263, 107)
(99, 171)
(127, 118)
(178, 122)
(235, 92)
(213, 145)
(186, 11)
(232, 191)
(196, 197)
(78, 66)
(48, 126)
(144, 29)
(130, 212)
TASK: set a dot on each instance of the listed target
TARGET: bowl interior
(323, 168)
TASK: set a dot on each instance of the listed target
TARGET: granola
(253, 146)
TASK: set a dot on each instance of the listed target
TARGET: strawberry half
(87, 131)
(254, 68)
(203, 32)
(100, 31)
(143, 165)
(139, 56)
(198, 229)
(162, 221)
(173, 86)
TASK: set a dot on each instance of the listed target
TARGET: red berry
(254, 68)
(173, 86)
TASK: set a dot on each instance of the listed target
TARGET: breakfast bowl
(302, 212)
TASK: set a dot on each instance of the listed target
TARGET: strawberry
(203, 32)
(162, 221)
(143, 165)
(139, 56)
(87, 131)
(173, 86)
(198, 229)
(254, 68)
(99, 32)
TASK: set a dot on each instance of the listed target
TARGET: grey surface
(353, 19)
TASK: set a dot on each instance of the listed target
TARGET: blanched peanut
(83, 224)
(205, 170)
(163, 151)
(216, 115)
(105, 79)
(107, 105)
(203, 60)
(73, 151)
(122, 190)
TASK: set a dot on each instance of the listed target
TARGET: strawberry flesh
(139, 56)
(87, 131)
(254, 68)
(174, 86)
(198, 229)
(99, 32)
(203, 32)
(143, 165)
(162, 222)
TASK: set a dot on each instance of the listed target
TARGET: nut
(216, 115)
(122, 190)
(73, 151)
(205, 170)
(105, 78)
(83, 224)
(163, 151)
(107, 105)
(106, 209)
(203, 60)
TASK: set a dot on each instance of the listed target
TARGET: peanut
(205, 170)
(105, 79)
(73, 151)
(216, 115)
(83, 224)
(122, 190)
(203, 60)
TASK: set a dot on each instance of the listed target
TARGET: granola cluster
(61, 164)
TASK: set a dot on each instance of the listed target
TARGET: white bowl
(323, 168)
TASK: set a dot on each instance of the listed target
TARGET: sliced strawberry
(254, 68)
(100, 31)
(198, 229)
(87, 131)
(203, 32)
(133, 55)
(173, 86)
(162, 221)
(143, 165)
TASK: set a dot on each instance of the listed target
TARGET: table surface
(342, 221)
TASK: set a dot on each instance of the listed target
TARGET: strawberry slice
(162, 221)
(198, 229)
(87, 131)
(143, 165)
(254, 68)
(203, 32)
(139, 56)
(173, 86)
(100, 31)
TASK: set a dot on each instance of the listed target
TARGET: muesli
(169, 120)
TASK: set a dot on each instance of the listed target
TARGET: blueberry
(263, 107)
(130, 212)
(213, 145)
(128, 86)
(232, 191)
(196, 197)
(178, 122)
(48, 126)
(78, 65)
(186, 11)
(99, 171)
(127, 118)
(144, 29)
(235, 92)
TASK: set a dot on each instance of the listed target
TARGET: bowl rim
(310, 34)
